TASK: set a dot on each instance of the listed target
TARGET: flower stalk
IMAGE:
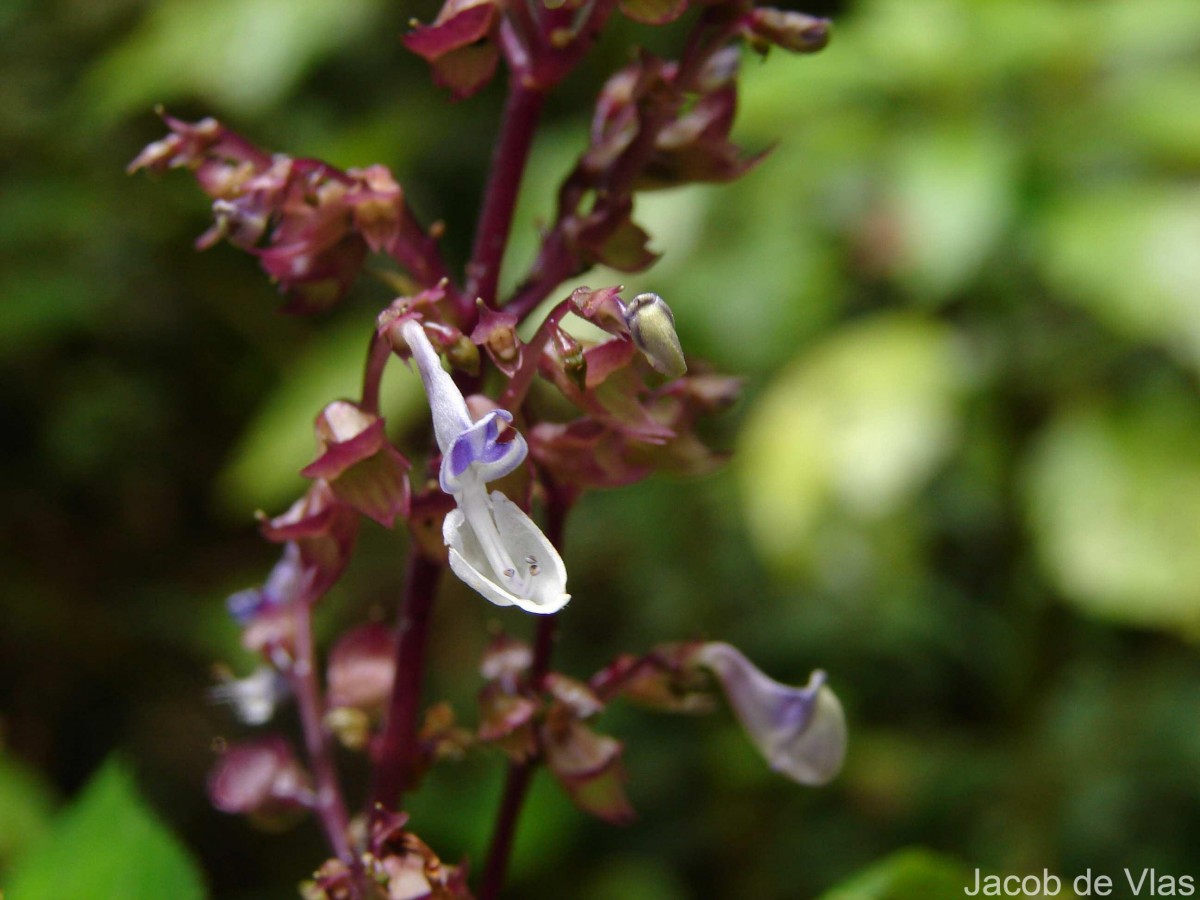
(519, 124)
(328, 801)
(395, 761)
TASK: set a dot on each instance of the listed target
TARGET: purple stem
(378, 353)
(516, 783)
(555, 264)
(330, 806)
(521, 112)
(397, 757)
(416, 249)
(557, 260)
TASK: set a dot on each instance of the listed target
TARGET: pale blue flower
(800, 731)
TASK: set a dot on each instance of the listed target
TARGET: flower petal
(523, 541)
(450, 415)
(467, 559)
(479, 446)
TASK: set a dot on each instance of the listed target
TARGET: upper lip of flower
(494, 546)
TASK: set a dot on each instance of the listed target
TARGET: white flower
(800, 731)
(494, 546)
(253, 698)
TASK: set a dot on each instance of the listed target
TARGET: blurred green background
(964, 290)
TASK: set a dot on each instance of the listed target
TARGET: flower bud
(265, 613)
(323, 530)
(652, 327)
(506, 720)
(794, 31)
(441, 737)
(571, 357)
(573, 694)
(505, 660)
(603, 307)
(496, 332)
(350, 725)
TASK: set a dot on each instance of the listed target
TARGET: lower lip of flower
(477, 509)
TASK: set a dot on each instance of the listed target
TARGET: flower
(800, 731)
(494, 546)
(253, 698)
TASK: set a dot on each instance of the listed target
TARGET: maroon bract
(361, 668)
(261, 778)
(359, 464)
(588, 766)
(459, 45)
(324, 531)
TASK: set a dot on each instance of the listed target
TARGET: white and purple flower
(495, 547)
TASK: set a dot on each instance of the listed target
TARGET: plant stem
(513, 395)
(330, 806)
(378, 353)
(396, 758)
(516, 782)
(521, 112)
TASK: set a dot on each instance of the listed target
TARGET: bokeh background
(964, 291)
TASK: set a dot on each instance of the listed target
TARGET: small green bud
(652, 326)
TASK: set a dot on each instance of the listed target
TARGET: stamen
(532, 562)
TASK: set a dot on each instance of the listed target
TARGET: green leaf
(854, 427)
(108, 844)
(26, 808)
(242, 55)
(1127, 255)
(912, 874)
(951, 197)
(1114, 499)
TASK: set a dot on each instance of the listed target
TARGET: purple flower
(800, 731)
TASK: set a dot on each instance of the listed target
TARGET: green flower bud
(652, 327)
